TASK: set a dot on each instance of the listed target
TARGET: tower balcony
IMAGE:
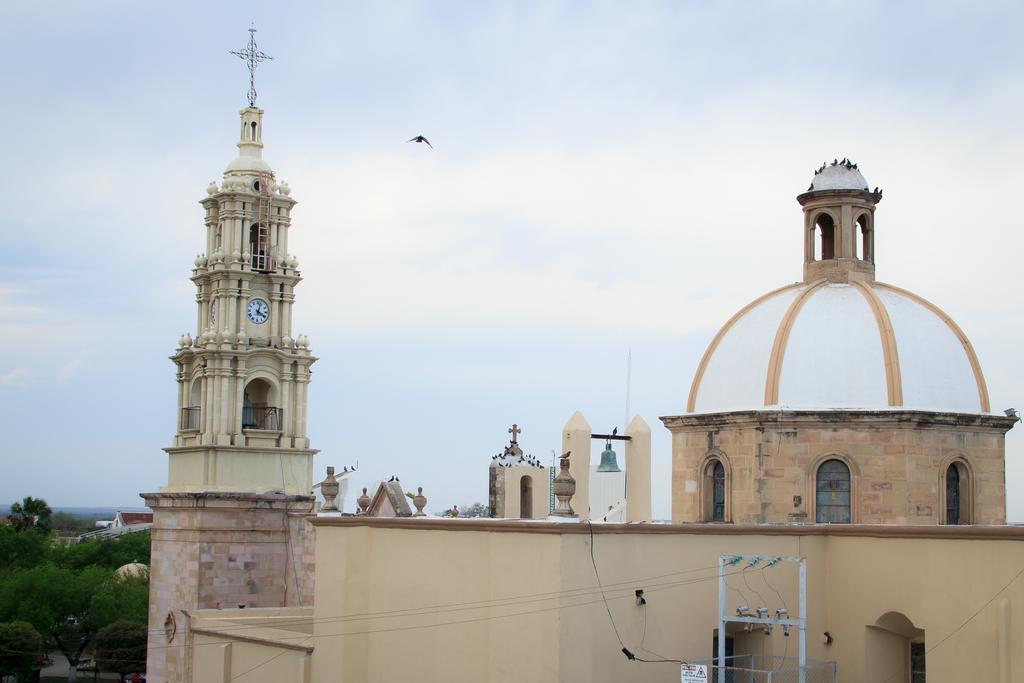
(266, 418)
(190, 419)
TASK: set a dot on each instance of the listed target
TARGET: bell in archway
(608, 461)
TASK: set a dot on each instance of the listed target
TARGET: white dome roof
(245, 164)
(842, 176)
(819, 345)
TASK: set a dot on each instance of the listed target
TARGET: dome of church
(842, 175)
(839, 339)
(132, 570)
(840, 345)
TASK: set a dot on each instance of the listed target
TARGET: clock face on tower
(257, 311)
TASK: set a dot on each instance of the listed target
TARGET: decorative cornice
(998, 533)
(861, 419)
(205, 498)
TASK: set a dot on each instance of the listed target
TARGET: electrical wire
(628, 594)
(743, 596)
(966, 621)
(743, 575)
(625, 650)
(472, 604)
(764, 577)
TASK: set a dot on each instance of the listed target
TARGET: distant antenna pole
(629, 381)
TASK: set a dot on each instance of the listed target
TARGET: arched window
(259, 247)
(958, 494)
(253, 124)
(526, 497)
(826, 227)
(864, 244)
(257, 409)
(832, 493)
(190, 414)
(714, 491)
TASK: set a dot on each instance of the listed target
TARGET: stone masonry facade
(897, 461)
(213, 550)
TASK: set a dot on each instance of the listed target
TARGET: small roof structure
(129, 518)
(389, 501)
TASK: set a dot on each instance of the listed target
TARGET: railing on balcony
(190, 418)
(262, 417)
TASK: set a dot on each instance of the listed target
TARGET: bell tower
(229, 527)
(242, 381)
(839, 224)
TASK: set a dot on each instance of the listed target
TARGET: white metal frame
(723, 618)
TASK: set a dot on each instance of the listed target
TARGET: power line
(968, 619)
(629, 655)
(466, 605)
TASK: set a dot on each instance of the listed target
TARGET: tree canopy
(22, 549)
(121, 647)
(104, 552)
(31, 513)
(67, 593)
(20, 647)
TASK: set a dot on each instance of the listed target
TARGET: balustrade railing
(262, 417)
(190, 418)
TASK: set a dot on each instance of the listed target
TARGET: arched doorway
(894, 649)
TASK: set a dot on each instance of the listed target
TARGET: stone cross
(515, 431)
(252, 58)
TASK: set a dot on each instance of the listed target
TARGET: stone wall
(222, 551)
(897, 462)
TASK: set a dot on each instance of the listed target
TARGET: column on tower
(236, 428)
(286, 315)
(207, 412)
(300, 416)
(181, 397)
(275, 314)
(227, 397)
(287, 387)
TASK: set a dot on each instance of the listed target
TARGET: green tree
(22, 549)
(121, 599)
(473, 510)
(121, 647)
(104, 552)
(20, 647)
(31, 513)
(58, 603)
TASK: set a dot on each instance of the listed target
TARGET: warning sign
(693, 673)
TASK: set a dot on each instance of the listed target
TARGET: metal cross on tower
(515, 431)
(252, 57)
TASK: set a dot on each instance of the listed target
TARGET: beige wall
(245, 646)
(515, 601)
(897, 461)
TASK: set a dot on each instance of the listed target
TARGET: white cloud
(16, 377)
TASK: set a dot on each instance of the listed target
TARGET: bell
(608, 461)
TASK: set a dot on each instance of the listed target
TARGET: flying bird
(420, 138)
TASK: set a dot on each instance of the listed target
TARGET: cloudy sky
(606, 177)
